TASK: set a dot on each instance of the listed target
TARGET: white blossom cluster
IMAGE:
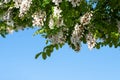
(75, 3)
(85, 19)
(57, 2)
(24, 7)
(7, 18)
(118, 25)
(51, 23)
(56, 18)
(17, 3)
(78, 32)
(77, 35)
(57, 12)
(91, 41)
(39, 18)
(58, 38)
(56, 21)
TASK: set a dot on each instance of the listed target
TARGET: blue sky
(17, 61)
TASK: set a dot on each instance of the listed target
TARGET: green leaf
(37, 55)
(110, 45)
(46, 41)
(2, 35)
(49, 54)
(56, 46)
(98, 46)
(44, 56)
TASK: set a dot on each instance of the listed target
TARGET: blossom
(91, 41)
(55, 22)
(57, 12)
(56, 1)
(39, 18)
(59, 22)
(24, 7)
(85, 19)
(75, 2)
(51, 23)
(17, 3)
(8, 18)
(10, 23)
(58, 38)
(77, 35)
(7, 15)
(56, 18)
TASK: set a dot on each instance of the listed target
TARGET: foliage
(93, 22)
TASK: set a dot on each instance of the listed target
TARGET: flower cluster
(56, 12)
(39, 18)
(85, 19)
(77, 35)
(57, 2)
(58, 38)
(9, 21)
(24, 7)
(75, 2)
(78, 31)
(17, 3)
(51, 23)
(56, 18)
(8, 18)
(56, 21)
(91, 41)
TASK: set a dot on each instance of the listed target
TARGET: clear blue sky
(17, 61)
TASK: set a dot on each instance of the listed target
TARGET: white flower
(17, 3)
(55, 22)
(56, 1)
(75, 2)
(51, 23)
(85, 19)
(55, 18)
(58, 38)
(59, 22)
(38, 18)
(77, 35)
(57, 12)
(91, 41)
(7, 15)
(10, 23)
(24, 7)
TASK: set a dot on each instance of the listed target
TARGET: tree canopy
(73, 22)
